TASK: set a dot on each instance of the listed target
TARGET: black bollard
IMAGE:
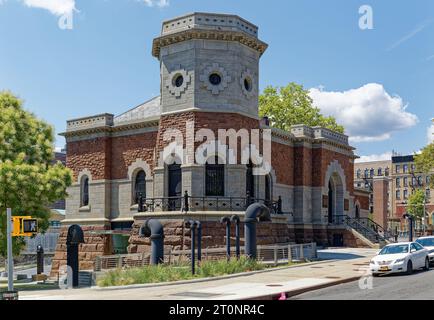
(193, 245)
(74, 238)
(154, 229)
(236, 219)
(253, 213)
(39, 260)
(199, 241)
(227, 222)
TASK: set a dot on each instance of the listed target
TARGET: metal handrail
(359, 226)
(186, 203)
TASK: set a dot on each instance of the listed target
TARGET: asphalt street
(418, 286)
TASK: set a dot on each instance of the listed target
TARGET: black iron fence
(187, 203)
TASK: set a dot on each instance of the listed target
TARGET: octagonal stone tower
(209, 62)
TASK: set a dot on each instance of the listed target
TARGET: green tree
(29, 179)
(425, 161)
(291, 105)
(415, 204)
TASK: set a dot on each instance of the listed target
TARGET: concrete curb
(297, 292)
(237, 275)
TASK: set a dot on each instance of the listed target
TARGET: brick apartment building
(209, 80)
(390, 183)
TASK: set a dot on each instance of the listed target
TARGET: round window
(248, 84)
(215, 79)
(178, 80)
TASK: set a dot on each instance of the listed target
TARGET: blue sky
(379, 83)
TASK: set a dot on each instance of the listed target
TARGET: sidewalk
(350, 266)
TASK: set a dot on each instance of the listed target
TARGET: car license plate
(385, 268)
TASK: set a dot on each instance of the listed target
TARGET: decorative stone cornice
(106, 129)
(204, 34)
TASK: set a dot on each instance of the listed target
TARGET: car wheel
(426, 264)
(409, 267)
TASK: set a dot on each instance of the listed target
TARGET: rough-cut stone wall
(210, 120)
(127, 149)
(94, 245)
(214, 235)
(93, 154)
(350, 240)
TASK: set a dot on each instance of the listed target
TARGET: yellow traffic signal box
(24, 226)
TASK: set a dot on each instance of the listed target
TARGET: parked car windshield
(427, 242)
(403, 248)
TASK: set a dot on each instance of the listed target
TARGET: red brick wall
(322, 159)
(282, 160)
(363, 200)
(303, 166)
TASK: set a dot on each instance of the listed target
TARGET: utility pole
(10, 257)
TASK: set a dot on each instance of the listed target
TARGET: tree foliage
(291, 105)
(30, 181)
(425, 161)
(415, 204)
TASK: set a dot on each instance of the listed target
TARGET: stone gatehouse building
(209, 66)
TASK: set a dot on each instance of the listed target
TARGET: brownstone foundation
(94, 245)
(178, 237)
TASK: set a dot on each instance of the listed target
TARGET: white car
(400, 257)
(428, 243)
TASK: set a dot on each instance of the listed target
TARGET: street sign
(24, 226)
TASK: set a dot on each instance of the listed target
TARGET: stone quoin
(209, 65)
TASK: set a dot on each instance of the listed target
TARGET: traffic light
(24, 226)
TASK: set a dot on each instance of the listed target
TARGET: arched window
(214, 179)
(371, 173)
(140, 186)
(268, 189)
(84, 191)
(379, 172)
(359, 172)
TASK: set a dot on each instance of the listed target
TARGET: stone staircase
(367, 231)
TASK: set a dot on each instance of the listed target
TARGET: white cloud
(430, 134)
(375, 157)
(56, 7)
(158, 3)
(368, 113)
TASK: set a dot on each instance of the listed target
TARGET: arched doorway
(357, 214)
(175, 187)
(250, 181)
(335, 199)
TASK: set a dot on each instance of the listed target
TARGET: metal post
(193, 244)
(279, 205)
(410, 234)
(228, 239)
(39, 260)
(9, 245)
(186, 201)
(236, 219)
(199, 241)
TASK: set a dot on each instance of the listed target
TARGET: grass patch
(168, 273)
